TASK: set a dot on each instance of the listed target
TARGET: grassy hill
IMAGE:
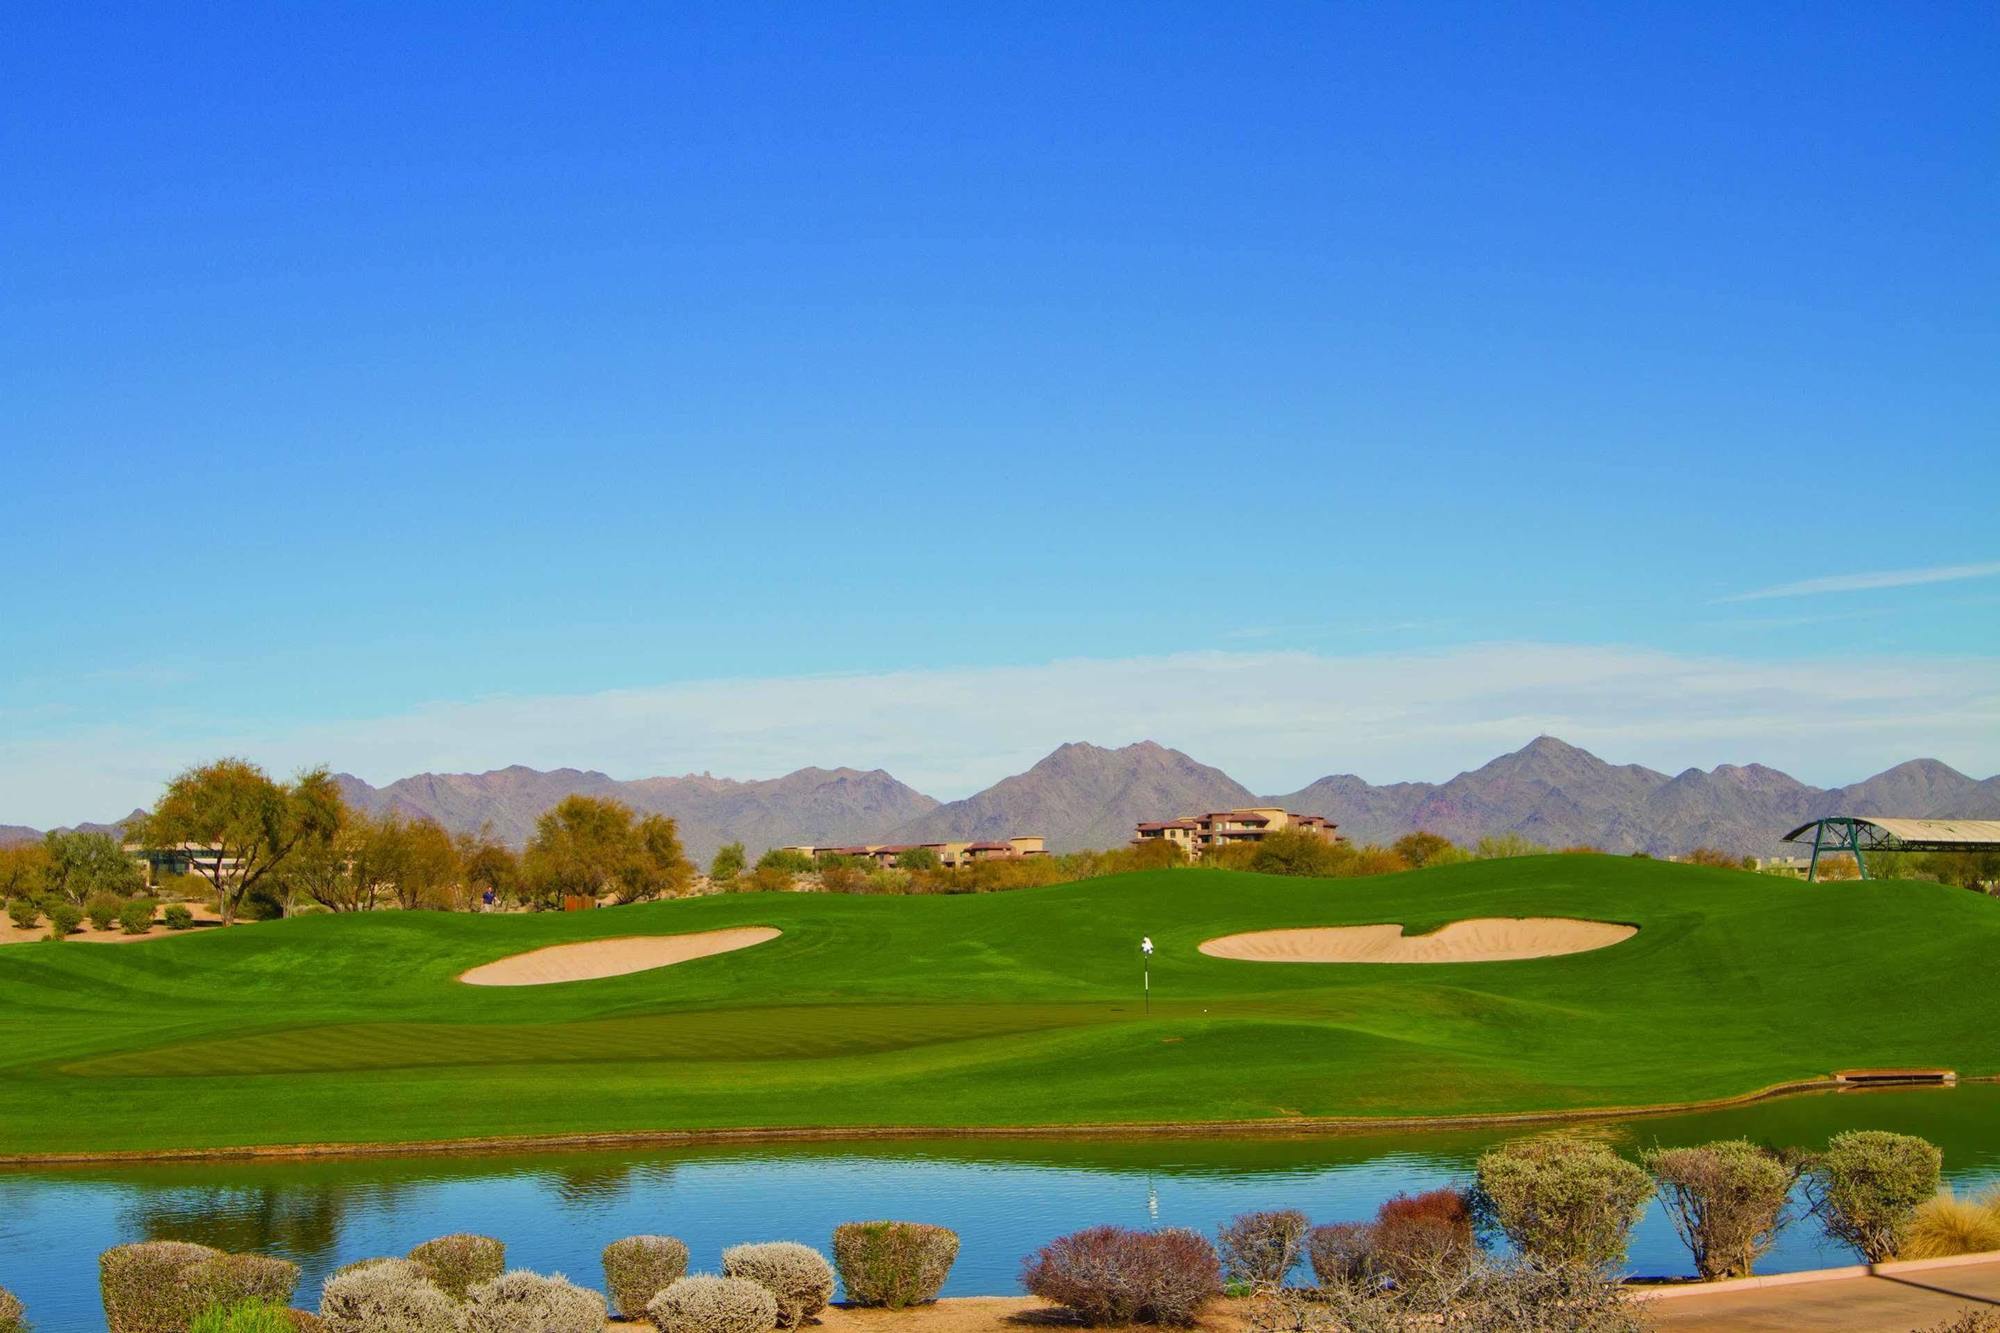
(1016, 1008)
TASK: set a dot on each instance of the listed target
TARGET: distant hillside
(1087, 796)
(1083, 796)
(811, 805)
(1560, 795)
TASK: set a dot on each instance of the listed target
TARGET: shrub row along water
(1563, 1204)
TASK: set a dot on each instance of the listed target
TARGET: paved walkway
(1897, 1298)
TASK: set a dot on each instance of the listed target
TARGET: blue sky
(404, 386)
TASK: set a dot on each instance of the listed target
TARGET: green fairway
(1000, 1009)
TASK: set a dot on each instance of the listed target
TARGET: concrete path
(1893, 1298)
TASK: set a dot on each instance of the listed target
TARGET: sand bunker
(590, 960)
(1484, 940)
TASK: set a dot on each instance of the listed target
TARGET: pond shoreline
(1300, 1126)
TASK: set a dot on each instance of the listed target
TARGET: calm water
(557, 1210)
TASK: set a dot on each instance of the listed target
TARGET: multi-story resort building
(950, 855)
(1196, 834)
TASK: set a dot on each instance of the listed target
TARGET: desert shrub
(1726, 1201)
(1478, 1297)
(707, 1304)
(1261, 1248)
(177, 917)
(638, 1268)
(64, 919)
(136, 917)
(797, 1275)
(1561, 1198)
(386, 1296)
(232, 1279)
(24, 913)
(895, 1264)
(1421, 1234)
(246, 1317)
(459, 1262)
(1867, 1184)
(13, 1319)
(101, 910)
(524, 1302)
(1944, 1225)
(1341, 1252)
(141, 1284)
(1499, 846)
(1112, 1275)
(1969, 1320)
(1424, 848)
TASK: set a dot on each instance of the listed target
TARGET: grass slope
(1002, 1009)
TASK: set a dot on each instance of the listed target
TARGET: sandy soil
(204, 916)
(1483, 940)
(590, 960)
(977, 1314)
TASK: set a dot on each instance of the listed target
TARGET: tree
(1157, 854)
(24, 870)
(1714, 856)
(917, 858)
(1726, 1200)
(1294, 852)
(1500, 845)
(81, 864)
(1424, 848)
(786, 860)
(430, 870)
(728, 863)
(490, 865)
(587, 846)
(242, 824)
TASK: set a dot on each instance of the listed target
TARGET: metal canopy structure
(1847, 833)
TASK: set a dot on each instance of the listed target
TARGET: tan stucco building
(1196, 834)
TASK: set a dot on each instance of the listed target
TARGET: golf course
(994, 1010)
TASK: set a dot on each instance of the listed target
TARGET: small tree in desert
(245, 824)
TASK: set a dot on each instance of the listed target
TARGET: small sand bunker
(1484, 940)
(590, 960)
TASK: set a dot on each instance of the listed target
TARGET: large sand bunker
(590, 960)
(1484, 940)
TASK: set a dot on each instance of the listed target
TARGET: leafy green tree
(728, 863)
(588, 846)
(1424, 848)
(489, 864)
(245, 823)
(82, 864)
(430, 870)
(662, 869)
(1294, 852)
(24, 870)
(917, 858)
(786, 860)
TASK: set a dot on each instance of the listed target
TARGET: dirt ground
(205, 919)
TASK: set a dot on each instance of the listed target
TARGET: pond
(557, 1210)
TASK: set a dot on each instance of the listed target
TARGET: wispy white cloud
(1275, 720)
(1890, 578)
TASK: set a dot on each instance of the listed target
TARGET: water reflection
(1004, 1196)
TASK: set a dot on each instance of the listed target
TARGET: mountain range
(1088, 796)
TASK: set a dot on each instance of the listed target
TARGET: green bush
(1561, 1199)
(13, 1319)
(638, 1268)
(141, 1284)
(64, 920)
(798, 1276)
(231, 1279)
(1261, 1248)
(102, 910)
(1726, 1200)
(177, 916)
(386, 1296)
(893, 1264)
(524, 1302)
(457, 1263)
(1867, 1185)
(706, 1304)
(24, 913)
(136, 917)
(246, 1317)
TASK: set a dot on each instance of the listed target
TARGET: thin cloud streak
(1274, 720)
(1893, 578)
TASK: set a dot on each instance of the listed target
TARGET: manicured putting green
(1001, 1009)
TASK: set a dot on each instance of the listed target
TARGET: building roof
(1240, 816)
(1919, 834)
